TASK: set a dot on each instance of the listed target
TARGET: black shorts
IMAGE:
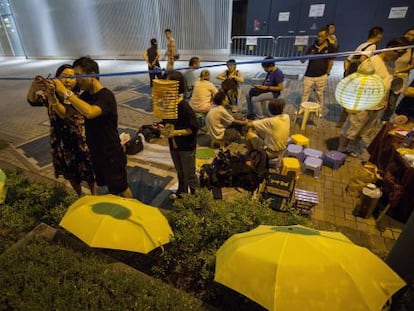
(111, 172)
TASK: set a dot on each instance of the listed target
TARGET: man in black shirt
(99, 107)
(318, 69)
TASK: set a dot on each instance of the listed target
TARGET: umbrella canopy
(298, 268)
(110, 221)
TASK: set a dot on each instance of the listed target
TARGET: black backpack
(355, 62)
(239, 171)
(135, 145)
(149, 132)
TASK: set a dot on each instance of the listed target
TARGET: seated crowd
(85, 111)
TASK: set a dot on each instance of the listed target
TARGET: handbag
(229, 84)
(134, 145)
(256, 91)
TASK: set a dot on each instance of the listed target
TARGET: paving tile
(387, 233)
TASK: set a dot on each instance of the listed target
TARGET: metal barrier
(252, 45)
(288, 46)
(282, 46)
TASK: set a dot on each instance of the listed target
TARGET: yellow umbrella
(298, 268)
(110, 221)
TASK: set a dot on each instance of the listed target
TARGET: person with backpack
(352, 63)
(230, 85)
(151, 57)
(360, 126)
(270, 134)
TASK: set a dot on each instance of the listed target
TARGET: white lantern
(361, 90)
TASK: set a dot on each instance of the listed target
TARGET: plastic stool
(306, 109)
(300, 140)
(309, 152)
(291, 165)
(295, 151)
(313, 164)
(335, 158)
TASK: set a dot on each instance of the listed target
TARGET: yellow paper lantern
(361, 90)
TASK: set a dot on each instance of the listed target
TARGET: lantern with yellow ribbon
(361, 90)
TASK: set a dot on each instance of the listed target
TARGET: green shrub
(29, 203)
(42, 276)
(201, 225)
(3, 144)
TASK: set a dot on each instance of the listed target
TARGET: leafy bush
(201, 225)
(29, 203)
(3, 144)
(42, 276)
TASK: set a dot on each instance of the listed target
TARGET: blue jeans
(184, 162)
(254, 104)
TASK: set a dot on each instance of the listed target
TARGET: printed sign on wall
(316, 10)
(398, 12)
(284, 16)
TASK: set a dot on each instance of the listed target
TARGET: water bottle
(408, 139)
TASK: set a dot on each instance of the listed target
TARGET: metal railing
(281, 46)
(252, 45)
(288, 46)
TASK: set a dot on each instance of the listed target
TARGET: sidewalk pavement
(20, 123)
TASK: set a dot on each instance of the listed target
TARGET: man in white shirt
(219, 119)
(270, 134)
(374, 36)
(361, 125)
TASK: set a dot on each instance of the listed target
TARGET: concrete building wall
(122, 28)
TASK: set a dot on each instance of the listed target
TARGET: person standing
(231, 79)
(331, 35)
(98, 105)
(171, 52)
(70, 154)
(182, 140)
(375, 35)
(318, 70)
(360, 126)
(269, 89)
(352, 62)
(151, 57)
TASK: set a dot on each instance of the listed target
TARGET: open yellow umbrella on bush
(298, 268)
(110, 221)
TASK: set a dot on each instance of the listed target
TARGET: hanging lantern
(165, 99)
(361, 90)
